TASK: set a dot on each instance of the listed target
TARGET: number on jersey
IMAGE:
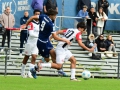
(69, 33)
(43, 25)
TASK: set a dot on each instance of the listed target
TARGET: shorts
(30, 49)
(44, 48)
(62, 55)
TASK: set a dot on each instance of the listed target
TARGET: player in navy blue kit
(46, 29)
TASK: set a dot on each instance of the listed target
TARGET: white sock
(23, 69)
(30, 66)
(46, 64)
(72, 73)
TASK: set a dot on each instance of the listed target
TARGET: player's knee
(59, 66)
(73, 60)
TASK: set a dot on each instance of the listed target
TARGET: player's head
(81, 26)
(26, 14)
(52, 14)
(36, 12)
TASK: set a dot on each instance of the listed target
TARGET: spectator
(81, 3)
(50, 4)
(101, 45)
(102, 17)
(92, 14)
(110, 45)
(23, 33)
(7, 21)
(104, 4)
(83, 13)
(92, 42)
(37, 4)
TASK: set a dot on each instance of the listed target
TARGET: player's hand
(92, 49)
(23, 26)
(68, 42)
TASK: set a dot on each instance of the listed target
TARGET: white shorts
(62, 55)
(30, 49)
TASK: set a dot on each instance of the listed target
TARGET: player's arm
(79, 40)
(82, 45)
(29, 20)
(56, 37)
(31, 30)
(58, 32)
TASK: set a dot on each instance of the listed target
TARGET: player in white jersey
(62, 52)
(31, 45)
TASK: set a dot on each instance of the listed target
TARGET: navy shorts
(44, 48)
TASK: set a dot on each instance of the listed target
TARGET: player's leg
(53, 57)
(24, 62)
(72, 59)
(34, 51)
(26, 57)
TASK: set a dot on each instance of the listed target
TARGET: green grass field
(56, 83)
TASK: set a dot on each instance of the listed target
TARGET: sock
(30, 66)
(23, 69)
(46, 65)
(72, 73)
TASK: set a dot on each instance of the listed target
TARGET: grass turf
(56, 83)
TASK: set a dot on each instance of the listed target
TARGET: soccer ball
(86, 74)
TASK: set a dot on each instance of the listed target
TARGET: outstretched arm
(56, 37)
(58, 32)
(31, 18)
(84, 47)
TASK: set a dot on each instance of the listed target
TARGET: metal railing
(71, 17)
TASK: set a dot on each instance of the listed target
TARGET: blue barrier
(19, 6)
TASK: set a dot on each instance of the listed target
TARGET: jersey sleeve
(31, 30)
(78, 36)
(30, 26)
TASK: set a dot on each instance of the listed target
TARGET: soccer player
(31, 45)
(62, 52)
(46, 29)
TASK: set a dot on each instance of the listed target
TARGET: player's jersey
(46, 28)
(33, 28)
(70, 34)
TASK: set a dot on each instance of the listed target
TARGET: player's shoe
(23, 75)
(62, 73)
(75, 79)
(29, 76)
(33, 71)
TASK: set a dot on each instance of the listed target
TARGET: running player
(62, 52)
(46, 29)
(31, 45)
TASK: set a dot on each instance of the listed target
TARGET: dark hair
(36, 10)
(81, 25)
(51, 12)
(102, 11)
